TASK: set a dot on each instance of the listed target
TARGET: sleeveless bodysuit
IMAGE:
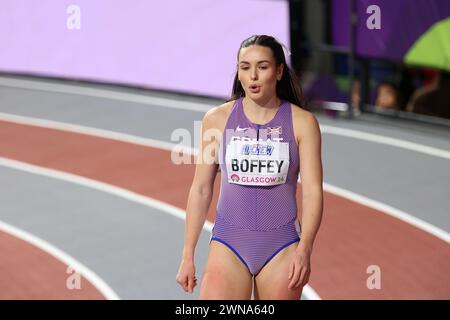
(256, 214)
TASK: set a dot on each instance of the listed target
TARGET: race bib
(257, 163)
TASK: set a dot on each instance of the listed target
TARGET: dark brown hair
(288, 88)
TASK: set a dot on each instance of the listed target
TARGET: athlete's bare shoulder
(216, 117)
(299, 114)
(303, 121)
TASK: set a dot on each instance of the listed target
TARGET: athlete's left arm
(311, 176)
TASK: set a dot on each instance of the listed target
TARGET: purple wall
(180, 45)
(402, 23)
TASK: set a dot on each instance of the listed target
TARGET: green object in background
(432, 49)
(343, 83)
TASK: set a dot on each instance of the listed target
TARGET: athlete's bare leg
(272, 282)
(225, 276)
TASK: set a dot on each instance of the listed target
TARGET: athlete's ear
(280, 71)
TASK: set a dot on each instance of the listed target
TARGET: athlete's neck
(261, 110)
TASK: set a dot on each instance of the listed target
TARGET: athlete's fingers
(302, 277)
(185, 283)
(295, 276)
(181, 281)
(302, 281)
(190, 284)
(307, 277)
(291, 269)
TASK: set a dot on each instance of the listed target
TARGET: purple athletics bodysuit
(257, 211)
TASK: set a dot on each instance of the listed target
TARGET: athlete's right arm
(201, 191)
(200, 194)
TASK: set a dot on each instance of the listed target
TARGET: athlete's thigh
(272, 281)
(225, 276)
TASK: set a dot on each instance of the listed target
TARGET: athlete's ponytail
(288, 88)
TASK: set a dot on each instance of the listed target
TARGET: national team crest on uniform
(274, 130)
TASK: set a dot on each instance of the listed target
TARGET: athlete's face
(257, 72)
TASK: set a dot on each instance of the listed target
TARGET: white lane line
(62, 256)
(104, 94)
(42, 85)
(406, 217)
(128, 138)
(394, 142)
(309, 292)
(389, 210)
(73, 128)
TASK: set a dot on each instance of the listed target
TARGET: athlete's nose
(254, 75)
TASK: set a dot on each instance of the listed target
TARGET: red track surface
(414, 264)
(26, 272)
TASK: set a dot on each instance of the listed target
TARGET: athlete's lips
(254, 88)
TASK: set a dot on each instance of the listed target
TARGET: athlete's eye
(261, 67)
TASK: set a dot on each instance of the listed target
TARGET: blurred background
(384, 57)
(94, 96)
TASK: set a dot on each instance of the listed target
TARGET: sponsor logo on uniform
(238, 129)
(261, 179)
(257, 149)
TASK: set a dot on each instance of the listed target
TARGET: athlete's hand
(186, 275)
(300, 268)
